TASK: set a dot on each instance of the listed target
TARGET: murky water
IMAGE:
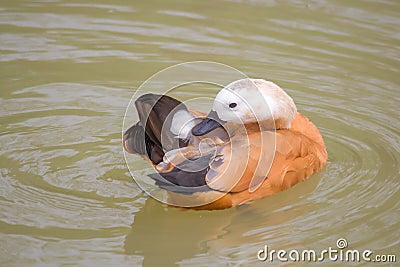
(68, 70)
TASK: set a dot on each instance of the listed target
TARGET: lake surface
(69, 69)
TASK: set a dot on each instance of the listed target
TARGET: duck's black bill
(208, 124)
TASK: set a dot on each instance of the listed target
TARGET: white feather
(256, 100)
(182, 124)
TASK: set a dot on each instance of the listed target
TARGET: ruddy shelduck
(252, 144)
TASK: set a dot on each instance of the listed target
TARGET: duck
(252, 144)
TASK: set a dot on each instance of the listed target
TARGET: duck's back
(300, 152)
(304, 126)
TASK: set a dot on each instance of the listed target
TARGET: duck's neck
(257, 126)
(281, 124)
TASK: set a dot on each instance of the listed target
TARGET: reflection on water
(170, 235)
(175, 235)
(68, 70)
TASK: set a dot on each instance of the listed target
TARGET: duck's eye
(232, 105)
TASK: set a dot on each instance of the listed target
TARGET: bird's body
(265, 146)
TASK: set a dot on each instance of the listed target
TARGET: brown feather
(300, 152)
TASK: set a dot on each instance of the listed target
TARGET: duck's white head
(248, 101)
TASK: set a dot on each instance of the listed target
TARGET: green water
(69, 68)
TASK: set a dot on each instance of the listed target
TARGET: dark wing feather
(182, 180)
(136, 141)
(155, 116)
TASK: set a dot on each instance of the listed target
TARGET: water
(68, 70)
